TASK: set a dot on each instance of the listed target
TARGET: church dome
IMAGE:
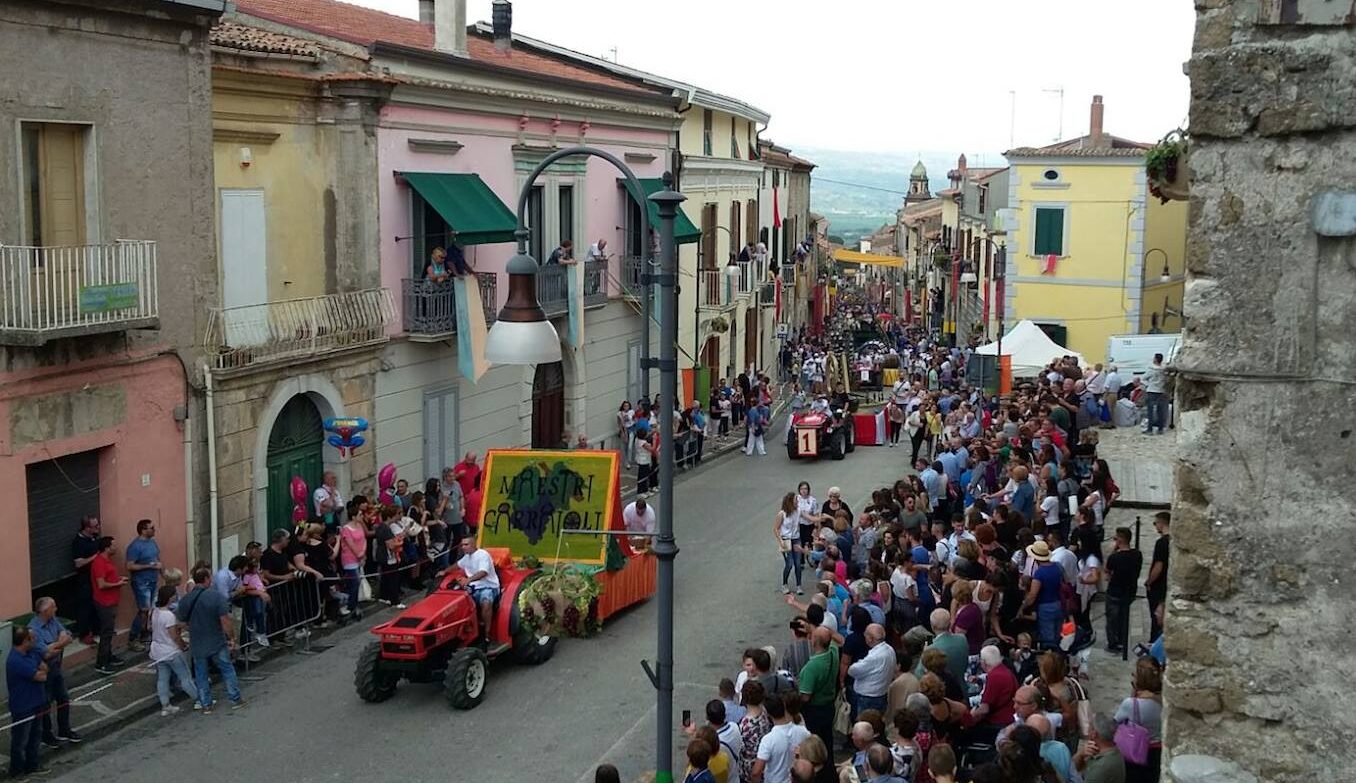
(919, 170)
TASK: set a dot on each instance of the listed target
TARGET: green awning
(467, 204)
(683, 229)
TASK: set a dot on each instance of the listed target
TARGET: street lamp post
(523, 335)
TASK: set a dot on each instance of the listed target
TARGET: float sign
(532, 495)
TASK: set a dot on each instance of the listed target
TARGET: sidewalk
(101, 704)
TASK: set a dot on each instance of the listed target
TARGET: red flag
(776, 211)
(1050, 264)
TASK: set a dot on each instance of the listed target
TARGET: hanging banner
(471, 331)
(575, 285)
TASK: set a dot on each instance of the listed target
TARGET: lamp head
(522, 334)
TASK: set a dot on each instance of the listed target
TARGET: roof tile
(366, 26)
(232, 35)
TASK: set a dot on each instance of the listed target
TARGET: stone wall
(1259, 612)
(244, 417)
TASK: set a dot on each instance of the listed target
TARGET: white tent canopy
(1030, 348)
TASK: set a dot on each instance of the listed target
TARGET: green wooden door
(295, 448)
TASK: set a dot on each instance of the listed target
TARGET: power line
(858, 185)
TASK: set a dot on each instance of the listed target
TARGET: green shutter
(1049, 232)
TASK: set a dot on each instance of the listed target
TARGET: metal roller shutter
(60, 492)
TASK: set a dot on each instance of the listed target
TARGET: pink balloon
(299, 490)
(386, 477)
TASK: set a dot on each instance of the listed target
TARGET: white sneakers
(173, 710)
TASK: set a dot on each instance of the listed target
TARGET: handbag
(364, 590)
(1132, 739)
(842, 715)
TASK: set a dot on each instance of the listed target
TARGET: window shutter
(1049, 232)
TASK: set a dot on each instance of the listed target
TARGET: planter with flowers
(1165, 166)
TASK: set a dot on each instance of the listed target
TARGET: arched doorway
(711, 357)
(548, 406)
(296, 447)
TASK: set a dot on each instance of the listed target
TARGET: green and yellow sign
(533, 495)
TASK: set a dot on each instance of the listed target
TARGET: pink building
(468, 119)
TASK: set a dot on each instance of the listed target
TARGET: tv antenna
(613, 52)
(1060, 91)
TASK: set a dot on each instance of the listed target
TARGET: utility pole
(1060, 91)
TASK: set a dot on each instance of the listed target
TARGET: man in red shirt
(107, 588)
(995, 708)
(467, 474)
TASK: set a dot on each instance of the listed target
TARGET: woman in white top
(1049, 509)
(167, 653)
(626, 419)
(904, 591)
(1089, 577)
(807, 513)
(788, 541)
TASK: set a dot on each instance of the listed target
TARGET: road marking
(624, 739)
(99, 707)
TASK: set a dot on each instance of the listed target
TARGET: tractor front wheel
(373, 685)
(464, 683)
(837, 444)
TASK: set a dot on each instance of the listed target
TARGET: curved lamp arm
(632, 186)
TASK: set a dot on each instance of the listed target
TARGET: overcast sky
(895, 75)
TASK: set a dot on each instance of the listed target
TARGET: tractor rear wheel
(533, 650)
(837, 445)
(464, 683)
(373, 685)
(791, 448)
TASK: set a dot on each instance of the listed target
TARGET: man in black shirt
(1156, 585)
(83, 549)
(1122, 567)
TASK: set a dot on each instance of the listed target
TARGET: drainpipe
(190, 524)
(211, 465)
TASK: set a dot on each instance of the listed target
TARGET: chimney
(449, 25)
(1096, 139)
(502, 18)
(426, 12)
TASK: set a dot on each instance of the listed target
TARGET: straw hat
(1039, 552)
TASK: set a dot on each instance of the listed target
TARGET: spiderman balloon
(346, 434)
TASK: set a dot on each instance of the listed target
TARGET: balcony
(768, 294)
(747, 273)
(241, 338)
(430, 309)
(553, 286)
(718, 290)
(53, 292)
(788, 273)
(595, 283)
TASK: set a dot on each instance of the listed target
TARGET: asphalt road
(591, 703)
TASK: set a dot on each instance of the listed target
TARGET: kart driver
(840, 398)
(480, 580)
(820, 405)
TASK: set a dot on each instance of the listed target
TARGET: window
(751, 221)
(709, 236)
(565, 195)
(428, 230)
(753, 146)
(734, 142)
(634, 246)
(1050, 175)
(706, 132)
(440, 431)
(536, 223)
(983, 198)
(1049, 233)
(54, 208)
(736, 243)
(633, 370)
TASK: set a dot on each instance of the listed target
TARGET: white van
(1134, 353)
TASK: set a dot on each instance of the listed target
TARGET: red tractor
(435, 640)
(816, 434)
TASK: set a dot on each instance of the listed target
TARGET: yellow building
(720, 173)
(1091, 253)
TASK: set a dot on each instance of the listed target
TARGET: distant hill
(876, 184)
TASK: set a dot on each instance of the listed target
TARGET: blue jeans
(58, 701)
(351, 577)
(222, 659)
(178, 667)
(24, 741)
(1049, 617)
(791, 561)
(144, 594)
(1158, 410)
(865, 703)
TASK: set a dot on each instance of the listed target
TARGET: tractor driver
(820, 405)
(479, 578)
(840, 397)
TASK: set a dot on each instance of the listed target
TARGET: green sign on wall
(107, 298)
